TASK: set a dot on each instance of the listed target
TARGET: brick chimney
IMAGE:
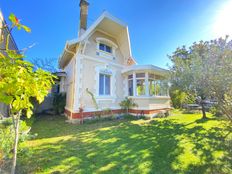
(83, 16)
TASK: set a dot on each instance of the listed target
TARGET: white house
(100, 60)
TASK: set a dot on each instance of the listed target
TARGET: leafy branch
(19, 83)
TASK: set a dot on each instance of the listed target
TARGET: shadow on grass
(163, 146)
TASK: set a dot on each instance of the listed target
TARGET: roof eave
(135, 68)
(63, 56)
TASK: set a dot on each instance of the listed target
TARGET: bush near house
(59, 102)
(127, 104)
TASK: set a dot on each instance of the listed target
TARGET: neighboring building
(4, 31)
(58, 88)
(101, 61)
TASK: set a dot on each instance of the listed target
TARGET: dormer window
(106, 48)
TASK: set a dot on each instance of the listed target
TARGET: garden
(185, 142)
(181, 143)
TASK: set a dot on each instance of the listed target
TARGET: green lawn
(182, 143)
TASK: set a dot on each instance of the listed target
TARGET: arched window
(106, 46)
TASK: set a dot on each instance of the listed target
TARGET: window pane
(105, 48)
(101, 84)
(164, 91)
(140, 88)
(158, 88)
(108, 49)
(130, 87)
(151, 87)
(130, 76)
(152, 76)
(139, 75)
(102, 47)
(107, 85)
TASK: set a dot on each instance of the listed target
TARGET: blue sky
(157, 27)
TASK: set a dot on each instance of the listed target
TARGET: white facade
(101, 61)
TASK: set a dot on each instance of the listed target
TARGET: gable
(114, 28)
(92, 47)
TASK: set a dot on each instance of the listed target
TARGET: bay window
(147, 84)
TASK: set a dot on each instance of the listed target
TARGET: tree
(19, 83)
(48, 64)
(180, 98)
(127, 104)
(205, 70)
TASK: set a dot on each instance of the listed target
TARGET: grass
(182, 143)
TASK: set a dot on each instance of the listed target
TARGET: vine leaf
(16, 22)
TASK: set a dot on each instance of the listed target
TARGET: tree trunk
(203, 110)
(82, 118)
(16, 122)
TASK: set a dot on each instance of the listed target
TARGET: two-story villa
(100, 60)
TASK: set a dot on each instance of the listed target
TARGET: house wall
(62, 84)
(90, 73)
(3, 35)
(91, 47)
(151, 103)
(69, 84)
(88, 66)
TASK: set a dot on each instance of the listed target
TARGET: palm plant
(127, 104)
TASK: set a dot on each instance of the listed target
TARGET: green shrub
(215, 111)
(59, 102)
(179, 98)
(127, 104)
(160, 115)
(167, 113)
(7, 137)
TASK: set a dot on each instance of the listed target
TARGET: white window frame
(109, 43)
(128, 80)
(105, 69)
(156, 80)
(105, 46)
(140, 78)
(104, 84)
